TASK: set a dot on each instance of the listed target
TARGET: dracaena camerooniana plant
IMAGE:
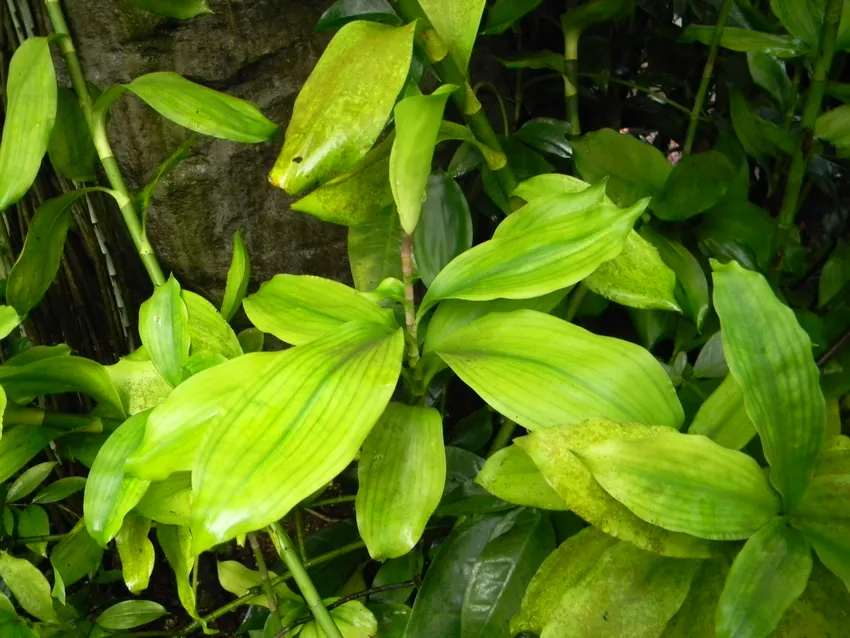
(202, 435)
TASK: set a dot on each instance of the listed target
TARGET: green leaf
(9, 320)
(749, 127)
(695, 618)
(298, 309)
(164, 329)
(109, 494)
(634, 169)
(130, 613)
(741, 222)
(33, 521)
(136, 552)
(374, 250)
(76, 556)
(401, 473)
(237, 579)
(352, 619)
(251, 340)
(820, 611)
(547, 136)
(502, 573)
(696, 183)
(38, 263)
(199, 108)
(770, 356)
(637, 277)
(20, 444)
(746, 40)
(30, 479)
(176, 544)
(71, 149)
(511, 475)
(834, 127)
(579, 18)
(769, 73)
(179, 9)
(30, 111)
(581, 375)
(768, 575)
(457, 25)
(168, 501)
(139, 384)
(555, 452)
(392, 619)
(685, 483)
(396, 571)
(439, 603)
(835, 273)
(802, 18)
(345, 104)
(238, 277)
(496, 160)
(723, 418)
(29, 587)
(145, 195)
(535, 60)
(417, 123)
(344, 11)
(445, 228)
(627, 592)
(472, 432)
(505, 13)
(209, 332)
(563, 569)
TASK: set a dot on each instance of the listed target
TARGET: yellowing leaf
(168, 501)
(139, 384)
(512, 476)
(136, 552)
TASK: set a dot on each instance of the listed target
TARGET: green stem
(654, 94)
(465, 100)
(571, 38)
(576, 298)
(47, 538)
(97, 128)
(506, 127)
(503, 436)
(409, 302)
(15, 415)
(302, 579)
(264, 575)
(333, 501)
(707, 72)
(299, 534)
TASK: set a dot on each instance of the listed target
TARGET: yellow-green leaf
(352, 619)
(237, 579)
(30, 113)
(298, 309)
(457, 25)
(164, 329)
(30, 479)
(20, 444)
(238, 277)
(685, 483)
(9, 320)
(512, 476)
(581, 375)
(770, 356)
(168, 501)
(402, 472)
(176, 544)
(209, 332)
(345, 104)
(695, 618)
(374, 250)
(136, 552)
(130, 613)
(140, 386)
(29, 587)
(722, 417)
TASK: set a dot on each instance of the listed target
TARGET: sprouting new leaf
(179, 9)
(374, 250)
(20, 444)
(345, 104)
(723, 418)
(29, 587)
(417, 123)
(457, 25)
(504, 13)
(30, 112)
(136, 552)
(298, 309)
(555, 452)
(344, 11)
(637, 277)
(238, 277)
(695, 184)
(502, 355)
(769, 574)
(164, 329)
(130, 613)
(746, 40)
(402, 472)
(209, 332)
(770, 356)
(511, 475)
(71, 149)
(685, 483)
(110, 494)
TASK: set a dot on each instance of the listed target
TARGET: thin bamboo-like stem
(264, 575)
(302, 579)
(576, 297)
(571, 38)
(409, 302)
(299, 534)
(707, 72)
(503, 436)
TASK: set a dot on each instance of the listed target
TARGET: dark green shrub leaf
(511, 475)
(30, 112)
(524, 161)
(164, 329)
(392, 619)
(834, 127)
(737, 39)
(457, 25)
(723, 418)
(396, 571)
(835, 273)
(547, 136)
(344, 11)
(472, 432)
(374, 250)
(238, 278)
(71, 149)
(537, 60)
(345, 104)
(30, 479)
(696, 183)
(769, 73)
(743, 223)
(445, 227)
(770, 356)
(749, 127)
(251, 340)
(131, 613)
(180, 9)
(60, 490)
(76, 556)
(451, 131)
(769, 574)
(802, 18)
(505, 13)
(401, 475)
(29, 587)
(136, 552)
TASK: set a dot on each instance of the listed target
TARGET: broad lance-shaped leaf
(176, 544)
(737, 39)
(637, 277)
(628, 591)
(33, 521)
(547, 245)
(502, 573)
(770, 356)
(298, 309)
(109, 493)
(136, 552)
(209, 332)
(685, 483)
(30, 112)
(402, 472)
(130, 613)
(353, 619)
(76, 556)
(723, 418)
(238, 277)
(417, 123)
(344, 11)
(179, 9)
(71, 149)
(164, 329)
(457, 25)
(20, 444)
(195, 107)
(345, 104)
(554, 451)
(168, 501)
(374, 250)
(29, 587)
(295, 401)
(29, 479)
(502, 355)
(767, 576)
(512, 476)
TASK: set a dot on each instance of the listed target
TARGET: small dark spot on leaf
(605, 616)
(298, 159)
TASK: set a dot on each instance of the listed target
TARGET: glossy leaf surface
(164, 328)
(401, 474)
(136, 552)
(511, 475)
(238, 277)
(130, 613)
(344, 11)
(28, 585)
(345, 104)
(770, 356)
(746, 40)
(457, 25)
(29, 479)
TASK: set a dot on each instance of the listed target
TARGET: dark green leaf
(393, 572)
(537, 60)
(802, 18)
(737, 39)
(741, 222)
(71, 149)
(547, 136)
(180, 9)
(392, 619)
(20, 444)
(251, 340)
(769, 73)
(374, 250)
(710, 363)
(30, 479)
(76, 555)
(344, 11)
(472, 432)
(834, 127)
(145, 195)
(835, 273)
(697, 183)
(505, 13)
(130, 613)
(749, 127)
(584, 16)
